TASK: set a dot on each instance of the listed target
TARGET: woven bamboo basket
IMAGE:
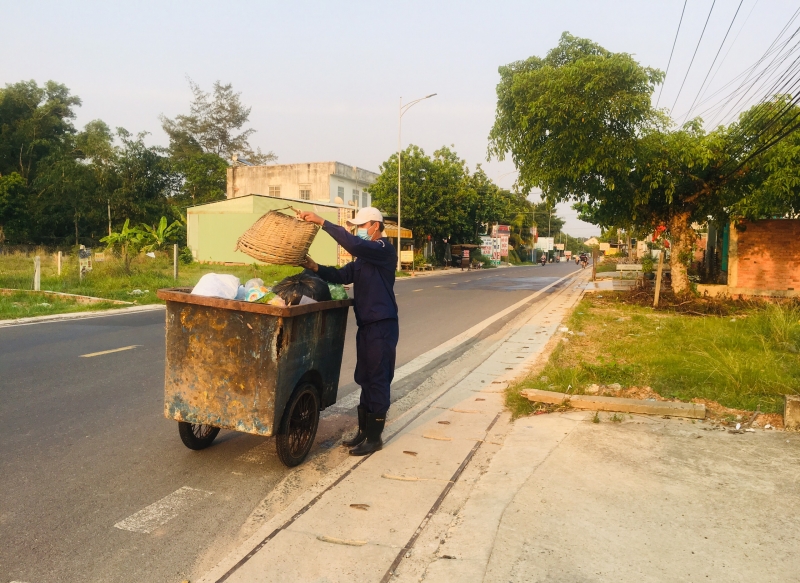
(278, 239)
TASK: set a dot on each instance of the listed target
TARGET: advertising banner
(503, 245)
(559, 246)
(499, 230)
(486, 245)
(495, 250)
(545, 243)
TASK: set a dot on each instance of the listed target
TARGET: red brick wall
(769, 255)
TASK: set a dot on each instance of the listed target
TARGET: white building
(331, 182)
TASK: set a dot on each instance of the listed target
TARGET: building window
(275, 191)
(364, 199)
(305, 194)
(355, 197)
(340, 192)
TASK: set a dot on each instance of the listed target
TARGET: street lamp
(401, 112)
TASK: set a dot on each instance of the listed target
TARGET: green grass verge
(741, 362)
(25, 304)
(605, 267)
(108, 280)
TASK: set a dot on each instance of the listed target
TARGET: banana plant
(128, 242)
(156, 237)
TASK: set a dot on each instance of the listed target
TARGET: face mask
(364, 234)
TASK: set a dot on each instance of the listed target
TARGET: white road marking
(158, 513)
(437, 286)
(420, 289)
(345, 404)
(91, 354)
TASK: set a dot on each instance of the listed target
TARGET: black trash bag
(306, 283)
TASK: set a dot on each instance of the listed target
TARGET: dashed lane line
(159, 513)
(91, 354)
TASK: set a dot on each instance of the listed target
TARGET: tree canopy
(579, 124)
(443, 199)
(57, 183)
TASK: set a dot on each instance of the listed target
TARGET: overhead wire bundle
(773, 79)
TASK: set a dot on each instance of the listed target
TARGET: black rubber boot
(373, 441)
(362, 426)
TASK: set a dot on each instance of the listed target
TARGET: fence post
(658, 277)
(175, 261)
(58, 261)
(594, 264)
(37, 273)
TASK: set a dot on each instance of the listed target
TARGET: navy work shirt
(372, 273)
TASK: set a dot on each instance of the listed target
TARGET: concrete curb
(79, 315)
(621, 405)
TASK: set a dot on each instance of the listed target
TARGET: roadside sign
(486, 245)
(85, 259)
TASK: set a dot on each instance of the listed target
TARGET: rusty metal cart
(251, 367)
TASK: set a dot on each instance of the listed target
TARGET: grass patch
(741, 360)
(605, 267)
(108, 280)
(23, 304)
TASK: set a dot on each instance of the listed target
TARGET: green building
(214, 228)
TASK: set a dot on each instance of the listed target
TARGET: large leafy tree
(442, 199)
(145, 180)
(33, 122)
(203, 142)
(579, 125)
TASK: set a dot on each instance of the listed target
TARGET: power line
(746, 73)
(715, 59)
(685, 2)
(695, 54)
(772, 64)
(728, 52)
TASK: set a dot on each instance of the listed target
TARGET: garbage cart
(251, 367)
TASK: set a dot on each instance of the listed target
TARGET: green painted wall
(213, 229)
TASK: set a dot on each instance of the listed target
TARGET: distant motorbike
(543, 260)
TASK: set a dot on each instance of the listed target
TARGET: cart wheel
(298, 426)
(196, 435)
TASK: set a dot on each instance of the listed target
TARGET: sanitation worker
(372, 275)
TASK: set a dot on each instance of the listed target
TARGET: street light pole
(401, 111)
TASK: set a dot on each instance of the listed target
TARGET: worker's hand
(309, 263)
(309, 217)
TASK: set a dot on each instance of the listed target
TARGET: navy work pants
(376, 346)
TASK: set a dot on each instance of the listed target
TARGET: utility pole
(109, 216)
(401, 112)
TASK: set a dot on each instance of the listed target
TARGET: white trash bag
(217, 285)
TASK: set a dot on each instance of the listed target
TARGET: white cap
(365, 215)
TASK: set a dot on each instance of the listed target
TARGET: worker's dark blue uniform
(372, 274)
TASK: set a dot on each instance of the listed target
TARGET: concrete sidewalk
(462, 493)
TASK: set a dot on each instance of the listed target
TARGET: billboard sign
(486, 245)
(545, 243)
(500, 230)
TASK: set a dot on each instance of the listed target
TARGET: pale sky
(324, 78)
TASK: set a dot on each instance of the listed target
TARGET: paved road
(85, 443)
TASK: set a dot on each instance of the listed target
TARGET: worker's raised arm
(343, 275)
(372, 251)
